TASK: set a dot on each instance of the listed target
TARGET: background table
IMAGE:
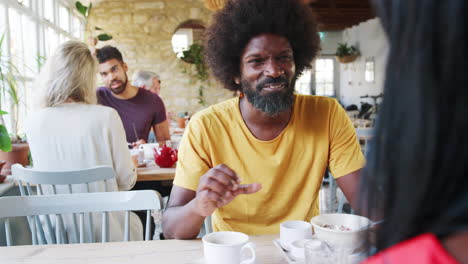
(153, 172)
(141, 252)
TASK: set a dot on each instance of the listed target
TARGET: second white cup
(294, 230)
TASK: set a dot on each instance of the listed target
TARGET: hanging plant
(85, 11)
(346, 54)
(194, 55)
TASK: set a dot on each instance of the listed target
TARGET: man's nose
(111, 76)
(273, 69)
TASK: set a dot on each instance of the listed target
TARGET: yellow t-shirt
(289, 167)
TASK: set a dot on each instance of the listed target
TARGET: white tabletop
(140, 252)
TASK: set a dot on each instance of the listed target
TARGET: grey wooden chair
(80, 204)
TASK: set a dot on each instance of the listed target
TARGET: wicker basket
(347, 59)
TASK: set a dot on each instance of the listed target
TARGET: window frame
(34, 11)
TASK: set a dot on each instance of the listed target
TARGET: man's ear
(237, 80)
(125, 67)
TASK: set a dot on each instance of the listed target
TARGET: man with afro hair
(268, 143)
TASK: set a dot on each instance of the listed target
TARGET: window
(324, 85)
(304, 83)
(64, 18)
(319, 80)
(32, 30)
(369, 70)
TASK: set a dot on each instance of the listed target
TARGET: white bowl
(342, 239)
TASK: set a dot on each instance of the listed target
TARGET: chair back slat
(81, 221)
(90, 227)
(21, 188)
(126, 227)
(49, 230)
(58, 230)
(104, 227)
(105, 186)
(40, 231)
(148, 225)
(28, 188)
(33, 230)
(8, 232)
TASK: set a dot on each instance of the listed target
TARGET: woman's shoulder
(425, 248)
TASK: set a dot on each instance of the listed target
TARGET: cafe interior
(57, 207)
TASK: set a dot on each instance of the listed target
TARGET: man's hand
(138, 143)
(218, 187)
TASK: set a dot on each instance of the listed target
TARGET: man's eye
(286, 58)
(255, 61)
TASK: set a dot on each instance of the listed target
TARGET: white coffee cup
(228, 248)
(148, 150)
(294, 230)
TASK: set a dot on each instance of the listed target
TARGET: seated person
(147, 80)
(417, 177)
(268, 143)
(139, 109)
(71, 132)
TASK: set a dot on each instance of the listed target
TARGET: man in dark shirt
(139, 109)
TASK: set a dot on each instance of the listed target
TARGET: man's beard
(271, 103)
(121, 88)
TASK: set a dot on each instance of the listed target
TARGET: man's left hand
(138, 143)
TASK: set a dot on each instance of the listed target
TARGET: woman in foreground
(418, 177)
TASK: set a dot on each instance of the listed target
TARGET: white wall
(371, 40)
(330, 42)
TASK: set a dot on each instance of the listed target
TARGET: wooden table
(153, 172)
(141, 252)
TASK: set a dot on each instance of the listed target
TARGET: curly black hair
(240, 21)
(108, 53)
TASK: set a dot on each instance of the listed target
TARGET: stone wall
(142, 31)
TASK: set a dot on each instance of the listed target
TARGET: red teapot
(165, 157)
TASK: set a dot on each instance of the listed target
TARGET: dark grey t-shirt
(142, 111)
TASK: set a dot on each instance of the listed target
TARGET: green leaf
(5, 141)
(98, 28)
(81, 8)
(104, 37)
(3, 112)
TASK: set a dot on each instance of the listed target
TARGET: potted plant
(5, 144)
(85, 11)
(346, 54)
(15, 149)
(194, 55)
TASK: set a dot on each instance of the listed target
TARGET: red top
(422, 249)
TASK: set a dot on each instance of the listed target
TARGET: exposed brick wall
(142, 31)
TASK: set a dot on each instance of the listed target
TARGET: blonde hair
(69, 74)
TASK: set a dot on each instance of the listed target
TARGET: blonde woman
(69, 131)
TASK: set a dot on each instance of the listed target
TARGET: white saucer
(354, 258)
(287, 254)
